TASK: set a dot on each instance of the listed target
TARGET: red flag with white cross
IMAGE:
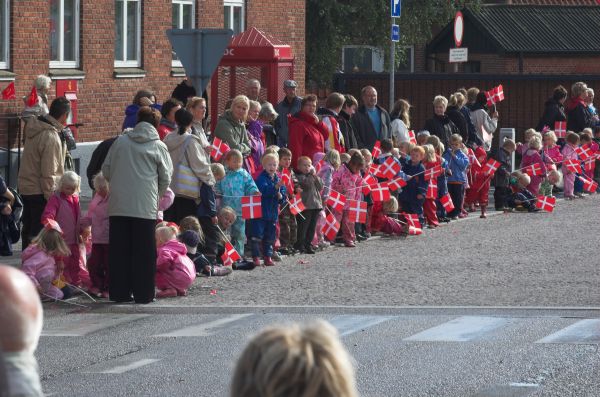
(584, 152)
(357, 211)
(32, 99)
(560, 129)
(380, 192)
(230, 255)
(412, 137)
(336, 201)
(413, 220)
(447, 203)
(390, 168)
(588, 184)
(331, 227)
(286, 177)
(491, 166)
(396, 183)
(9, 92)
(573, 166)
(546, 203)
(251, 207)
(368, 182)
(432, 190)
(589, 165)
(296, 204)
(376, 152)
(373, 169)
(433, 172)
(219, 148)
(414, 231)
(534, 170)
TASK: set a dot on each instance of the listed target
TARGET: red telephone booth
(251, 55)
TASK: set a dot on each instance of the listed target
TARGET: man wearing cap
(290, 105)
(371, 122)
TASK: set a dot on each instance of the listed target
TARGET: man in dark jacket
(553, 109)
(291, 104)
(371, 122)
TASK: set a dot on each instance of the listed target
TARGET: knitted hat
(191, 240)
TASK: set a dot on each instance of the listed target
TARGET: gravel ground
(517, 259)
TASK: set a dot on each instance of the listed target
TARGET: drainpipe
(520, 63)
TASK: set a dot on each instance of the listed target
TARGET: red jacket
(306, 136)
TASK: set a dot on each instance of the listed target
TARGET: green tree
(332, 24)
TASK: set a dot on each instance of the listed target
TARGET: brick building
(108, 49)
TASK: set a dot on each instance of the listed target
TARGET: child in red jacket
(479, 190)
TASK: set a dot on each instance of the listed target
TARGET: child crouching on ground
(97, 219)
(311, 186)
(381, 222)
(521, 199)
(175, 272)
(39, 264)
(272, 191)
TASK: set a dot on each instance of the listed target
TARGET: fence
(522, 108)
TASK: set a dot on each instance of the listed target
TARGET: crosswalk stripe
(204, 329)
(348, 324)
(510, 390)
(83, 324)
(582, 332)
(462, 329)
(120, 369)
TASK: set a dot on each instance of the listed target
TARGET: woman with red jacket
(306, 132)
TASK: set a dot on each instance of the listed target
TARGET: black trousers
(181, 208)
(307, 223)
(501, 194)
(33, 207)
(212, 236)
(132, 259)
(457, 193)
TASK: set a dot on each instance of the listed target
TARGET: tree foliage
(332, 24)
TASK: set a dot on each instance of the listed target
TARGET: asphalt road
(506, 306)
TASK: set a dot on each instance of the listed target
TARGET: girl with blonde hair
(400, 121)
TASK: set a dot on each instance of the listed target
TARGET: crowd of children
(332, 198)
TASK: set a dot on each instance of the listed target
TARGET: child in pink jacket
(63, 207)
(569, 153)
(97, 219)
(348, 181)
(39, 263)
(531, 157)
(175, 271)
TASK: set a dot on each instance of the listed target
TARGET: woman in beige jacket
(187, 150)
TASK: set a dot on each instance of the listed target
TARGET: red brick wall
(103, 98)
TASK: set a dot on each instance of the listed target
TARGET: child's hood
(31, 251)
(175, 246)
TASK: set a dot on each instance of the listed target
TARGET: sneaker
(285, 251)
(483, 216)
(276, 257)
(243, 265)
(167, 293)
(221, 271)
(268, 261)
(309, 250)
(324, 244)
(360, 237)
(256, 261)
(182, 292)
(349, 244)
(104, 295)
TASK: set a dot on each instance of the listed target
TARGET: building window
(183, 18)
(4, 37)
(64, 33)
(357, 58)
(128, 34)
(472, 67)
(406, 64)
(234, 15)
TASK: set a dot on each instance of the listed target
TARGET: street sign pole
(392, 70)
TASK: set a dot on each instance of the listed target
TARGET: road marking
(582, 332)
(462, 329)
(348, 324)
(510, 390)
(83, 324)
(204, 329)
(120, 369)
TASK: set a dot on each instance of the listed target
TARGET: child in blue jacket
(273, 193)
(457, 164)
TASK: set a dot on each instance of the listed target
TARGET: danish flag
(584, 152)
(588, 184)
(380, 192)
(251, 207)
(546, 203)
(573, 166)
(374, 169)
(32, 99)
(296, 205)
(560, 129)
(331, 227)
(534, 170)
(413, 220)
(318, 166)
(589, 165)
(491, 166)
(376, 152)
(336, 201)
(230, 255)
(432, 190)
(447, 203)
(9, 91)
(357, 211)
(368, 182)
(433, 172)
(414, 231)
(495, 95)
(390, 168)
(219, 148)
(412, 137)
(396, 184)
(286, 176)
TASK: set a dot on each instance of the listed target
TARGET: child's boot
(483, 215)
(256, 261)
(268, 261)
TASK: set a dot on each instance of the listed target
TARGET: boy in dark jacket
(272, 193)
(207, 215)
(502, 177)
(413, 194)
(311, 186)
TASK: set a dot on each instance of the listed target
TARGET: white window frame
(5, 34)
(412, 56)
(235, 3)
(377, 58)
(177, 63)
(61, 63)
(136, 63)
